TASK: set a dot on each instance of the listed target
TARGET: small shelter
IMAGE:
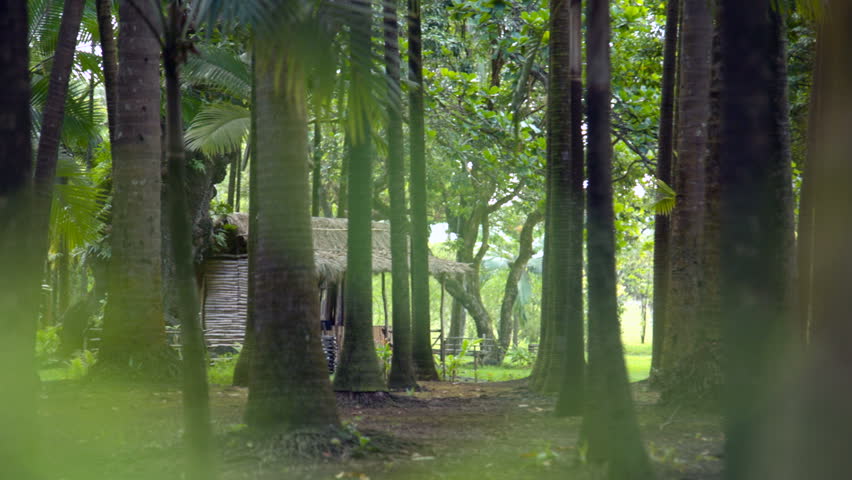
(225, 275)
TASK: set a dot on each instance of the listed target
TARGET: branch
(483, 247)
(505, 199)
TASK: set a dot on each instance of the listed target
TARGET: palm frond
(662, 198)
(218, 128)
(79, 124)
(220, 69)
(76, 206)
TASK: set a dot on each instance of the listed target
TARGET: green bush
(47, 344)
(520, 357)
(79, 364)
(221, 369)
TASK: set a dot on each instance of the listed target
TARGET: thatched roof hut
(225, 287)
(329, 236)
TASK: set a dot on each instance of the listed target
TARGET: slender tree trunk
(424, 362)
(402, 363)
(242, 370)
(458, 317)
(289, 387)
(18, 292)
(196, 403)
(238, 188)
(316, 174)
(610, 421)
(359, 366)
(232, 179)
(510, 292)
(757, 222)
(662, 228)
(54, 111)
(683, 331)
(134, 329)
(110, 63)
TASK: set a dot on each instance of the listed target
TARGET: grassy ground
(494, 430)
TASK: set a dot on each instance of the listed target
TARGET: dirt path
(449, 431)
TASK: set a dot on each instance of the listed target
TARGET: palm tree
(609, 422)
(134, 328)
(402, 367)
(288, 387)
(53, 113)
(424, 361)
(662, 228)
(18, 292)
(359, 366)
(756, 225)
(195, 390)
(684, 332)
(566, 223)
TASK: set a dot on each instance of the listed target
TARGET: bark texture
(134, 328)
(18, 291)
(196, 402)
(665, 148)
(358, 369)
(402, 362)
(757, 222)
(609, 421)
(110, 62)
(289, 387)
(54, 112)
(424, 362)
(683, 333)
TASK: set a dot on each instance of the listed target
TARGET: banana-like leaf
(219, 128)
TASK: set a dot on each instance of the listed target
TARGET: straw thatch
(329, 236)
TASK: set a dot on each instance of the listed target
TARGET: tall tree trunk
(134, 329)
(110, 63)
(402, 362)
(755, 232)
(196, 402)
(610, 421)
(807, 215)
(424, 362)
(683, 332)
(53, 114)
(18, 292)
(289, 387)
(510, 291)
(566, 118)
(359, 366)
(819, 421)
(662, 228)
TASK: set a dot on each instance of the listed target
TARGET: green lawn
(637, 357)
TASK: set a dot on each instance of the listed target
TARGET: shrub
(47, 344)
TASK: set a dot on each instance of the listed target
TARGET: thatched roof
(329, 235)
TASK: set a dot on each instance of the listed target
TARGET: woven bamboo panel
(225, 300)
